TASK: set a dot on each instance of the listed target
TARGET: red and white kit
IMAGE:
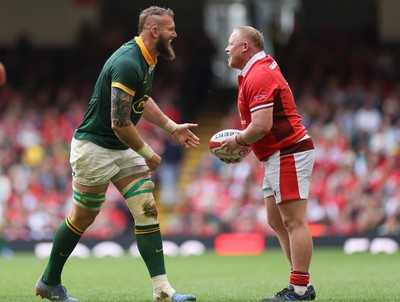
(262, 85)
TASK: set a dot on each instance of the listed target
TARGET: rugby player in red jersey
(273, 128)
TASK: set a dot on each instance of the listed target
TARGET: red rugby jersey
(262, 85)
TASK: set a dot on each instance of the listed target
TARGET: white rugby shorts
(93, 165)
(288, 177)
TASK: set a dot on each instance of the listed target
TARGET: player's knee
(298, 223)
(275, 222)
(140, 200)
(83, 218)
(86, 207)
(90, 202)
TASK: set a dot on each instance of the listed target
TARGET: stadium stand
(348, 93)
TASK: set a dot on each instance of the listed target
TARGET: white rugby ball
(216, 141)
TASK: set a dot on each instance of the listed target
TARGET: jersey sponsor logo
(138, 106)
(159, 250)
(260, 97)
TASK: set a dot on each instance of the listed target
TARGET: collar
(258, 56)
(144, 51)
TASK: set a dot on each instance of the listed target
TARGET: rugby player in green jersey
(107, 148)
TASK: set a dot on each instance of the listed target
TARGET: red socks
(299, 278)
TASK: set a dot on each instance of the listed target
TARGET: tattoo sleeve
(121, 104)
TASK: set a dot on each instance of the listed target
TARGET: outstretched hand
(185, 137)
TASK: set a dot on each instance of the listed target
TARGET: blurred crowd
(347, 87)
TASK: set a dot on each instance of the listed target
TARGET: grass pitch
(212, 278)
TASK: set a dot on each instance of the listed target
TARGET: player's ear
(245, 46)
(154, 32)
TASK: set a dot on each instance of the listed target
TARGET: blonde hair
(255, 36)
(153, 10)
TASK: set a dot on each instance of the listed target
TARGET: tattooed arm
(121, 103)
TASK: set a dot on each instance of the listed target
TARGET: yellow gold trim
(145, 52)
(123, 87)
(73, 227)
(144, 232)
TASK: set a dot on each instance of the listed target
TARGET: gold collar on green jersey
(145, 52)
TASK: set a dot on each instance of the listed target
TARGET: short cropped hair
(255, 36)
(152, 10)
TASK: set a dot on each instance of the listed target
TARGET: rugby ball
(216, 142)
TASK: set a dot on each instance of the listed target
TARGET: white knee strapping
(139, 197)
(88, 201)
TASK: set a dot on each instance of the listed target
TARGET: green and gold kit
(129, 68)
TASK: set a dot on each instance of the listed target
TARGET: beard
(165, 49)
(231, 62)
(234, 62)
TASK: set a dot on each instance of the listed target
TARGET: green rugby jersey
(129, 68)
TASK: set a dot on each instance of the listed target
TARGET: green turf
(212, 278)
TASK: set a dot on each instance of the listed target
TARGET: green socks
(68, 235)
(149, 243)
(65, 240)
